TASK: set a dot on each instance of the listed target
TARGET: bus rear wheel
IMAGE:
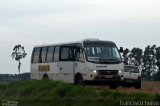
(45, 77)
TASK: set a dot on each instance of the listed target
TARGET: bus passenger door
(79, 64)
(66, 63)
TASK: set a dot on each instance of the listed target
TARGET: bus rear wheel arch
(45, 76)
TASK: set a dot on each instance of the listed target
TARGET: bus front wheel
(113, 85)
(79, 79)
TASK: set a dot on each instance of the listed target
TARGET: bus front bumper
(102, 79)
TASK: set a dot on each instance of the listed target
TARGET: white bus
(89, 60)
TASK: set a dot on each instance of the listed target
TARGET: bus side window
(36, 55)
(66, 53)
(50, 54)
(56, 54)
(43, 55)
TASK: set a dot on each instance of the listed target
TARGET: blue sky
(129, 23)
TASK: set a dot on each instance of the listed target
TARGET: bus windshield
(102, 52)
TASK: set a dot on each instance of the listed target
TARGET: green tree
(158, 63)
(136, 55)
(149, 59)
(158, 57)
(18, 54)
(125, 56)
(154, 54)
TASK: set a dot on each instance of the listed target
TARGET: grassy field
(46, 92)
(151, 87)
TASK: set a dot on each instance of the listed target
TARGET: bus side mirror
(121, 50)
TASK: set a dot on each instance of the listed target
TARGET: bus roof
(65, 43)
(72, 42)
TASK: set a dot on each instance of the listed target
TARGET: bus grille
(108, 72)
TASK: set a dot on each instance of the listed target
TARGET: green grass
(57, 93)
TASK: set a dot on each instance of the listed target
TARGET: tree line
(148, 59)
(7, 78)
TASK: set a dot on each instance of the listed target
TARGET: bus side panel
(34, 72)
(38, 70)
(66, 71)
(81, 68)
(54, 72)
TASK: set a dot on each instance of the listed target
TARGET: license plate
(130, 81)
(109, 76)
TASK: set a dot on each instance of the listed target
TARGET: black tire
(79, 80)
(113, 85)
(45, 77)
(138, 85)
(124, 85)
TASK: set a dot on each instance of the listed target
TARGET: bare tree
(18, 54)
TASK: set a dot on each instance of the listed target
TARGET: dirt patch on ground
(147, 87)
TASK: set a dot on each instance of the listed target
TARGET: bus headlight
(95, 71)
(119, 71)
(91, 70)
